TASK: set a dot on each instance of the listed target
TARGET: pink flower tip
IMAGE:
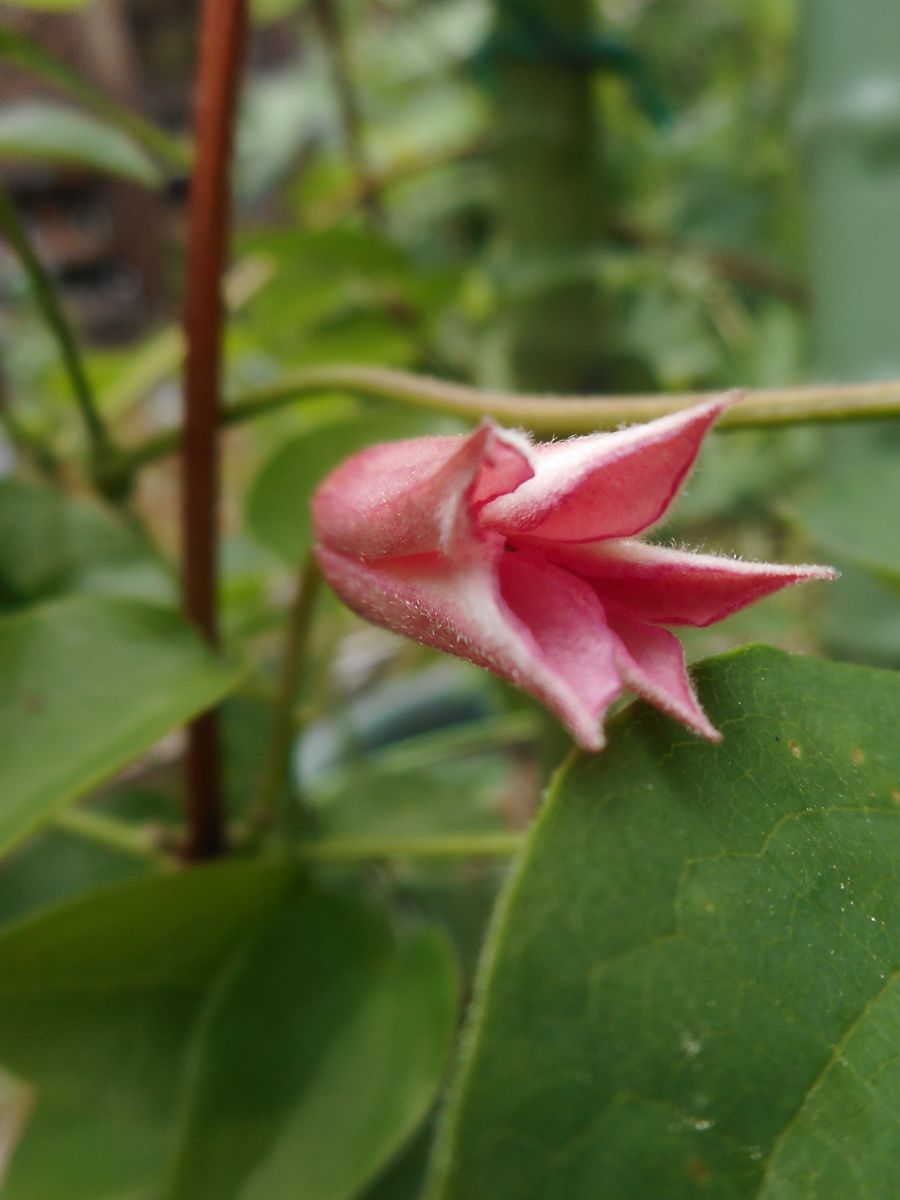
(523, 558)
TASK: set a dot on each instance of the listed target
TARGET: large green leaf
(86, 684)
(98, 1000)
(691, 983)
(228, 1031)
(318, 1061)
(278, 504)
(51, 132)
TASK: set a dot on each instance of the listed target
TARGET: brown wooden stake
(223, 34)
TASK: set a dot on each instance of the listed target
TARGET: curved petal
(652, 664)
(536, 626)
(417, 496)
(606, 485)
(675, 587)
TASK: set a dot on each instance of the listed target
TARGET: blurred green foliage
(381, 243)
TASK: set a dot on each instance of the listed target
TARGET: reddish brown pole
(223, 32)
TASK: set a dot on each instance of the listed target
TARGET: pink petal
(530, 623)
(674, 587)
(652, 664)
(568, 626)
(417, 496)
(605, 485)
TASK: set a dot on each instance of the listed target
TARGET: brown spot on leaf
(698, 1170)
(857, 755)
(795, 750)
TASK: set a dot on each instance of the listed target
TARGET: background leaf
(98, 999)
(278, 503)
(50, 132)
(51, 544)
(86, 684)
(29, 55)
(691, 983)
(321, 1055)
(847, 516)
(267, 1037)
(50, 5)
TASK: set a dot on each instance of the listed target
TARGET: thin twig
(547, 415)
(223, 34)
(48, 302)
(113, 834)
(284, 725)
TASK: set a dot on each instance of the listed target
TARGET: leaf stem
(51, 309)
(223, 32)
(548, 415)
(466, 846)
(284, 725)
(112, 834)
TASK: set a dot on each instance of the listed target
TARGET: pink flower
(522, 558)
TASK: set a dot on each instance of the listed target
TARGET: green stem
(48, 302)
(547, 415)
(466, 846)
(284, 725)
(549, 185)
(134, 842)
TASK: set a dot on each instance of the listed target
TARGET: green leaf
(268, 11)
(86, 684)
(29, 55)
(278, 504)
(98, 1002)
(846, 516)
(50, 132)
(691, 982)
(199, 1033)
(319, 1057)
(51, 544)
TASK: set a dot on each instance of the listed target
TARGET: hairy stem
(547, 415)
(223, 34)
